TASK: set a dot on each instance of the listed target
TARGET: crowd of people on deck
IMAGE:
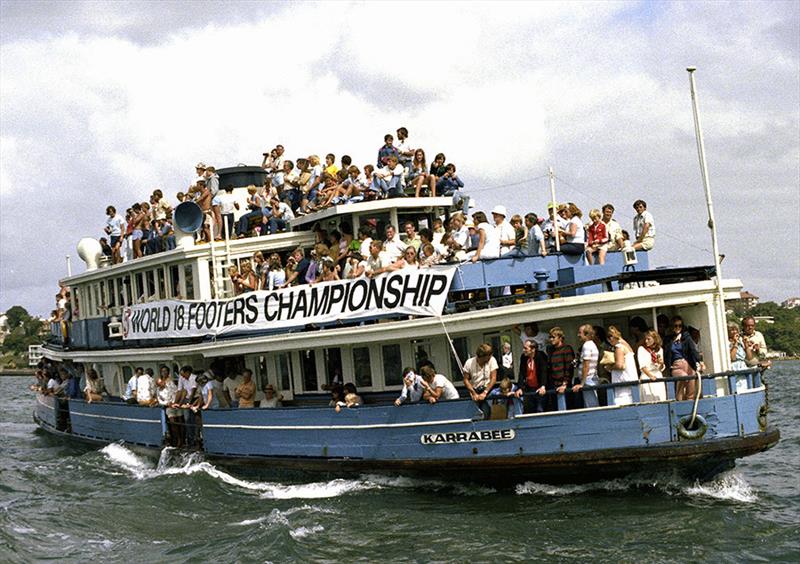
(306, 185)
(548, 367)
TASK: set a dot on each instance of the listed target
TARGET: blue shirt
(214, 401)
(677, 350)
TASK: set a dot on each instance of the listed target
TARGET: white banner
(421, 292)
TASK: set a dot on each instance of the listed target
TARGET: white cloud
(504, 89)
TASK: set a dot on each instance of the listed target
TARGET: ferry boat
(176, 308)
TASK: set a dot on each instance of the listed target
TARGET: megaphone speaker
(188, 217)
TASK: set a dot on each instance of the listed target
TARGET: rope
(452, 347)
(696, 398)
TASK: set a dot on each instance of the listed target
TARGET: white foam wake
(729, 486)
(173, 463)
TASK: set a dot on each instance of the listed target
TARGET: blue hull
(450, 439)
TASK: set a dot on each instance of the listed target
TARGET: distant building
(4, 328)
(764, 319)
(745, 299)
(748, 299)
(791, 303)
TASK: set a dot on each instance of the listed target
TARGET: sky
(102, 102)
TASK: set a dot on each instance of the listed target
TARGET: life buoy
(762, 417)
(700, 427)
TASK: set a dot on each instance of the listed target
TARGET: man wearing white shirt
(146, 388)
(393, 247)
(404, 147)
(643, 227)
(389, 180)
(115, 227)
(504, 230)
(613, 229)
(281, 214)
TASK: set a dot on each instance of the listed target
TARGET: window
(188, 275)
(308, 365)
(392, 365)
(362, 368)
(128, 292)
(112, 293)
(461, 344)
(138, 287)
(174, 281)
(161, 274)
(379, 220)
(283, 362)
(333, 366)
(150, 275)
(422, 351)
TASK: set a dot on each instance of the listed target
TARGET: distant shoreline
(17, 372)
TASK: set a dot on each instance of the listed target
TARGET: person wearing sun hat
(549, 228)
(504, 230)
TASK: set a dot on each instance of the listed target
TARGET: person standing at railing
(624, 369)
(650, 358)
(589, 356)
(741, 351)
(533, 377)
(683, 358)
(562, 366)
(480, 376)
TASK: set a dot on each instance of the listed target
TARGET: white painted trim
(40, 402)
(130, 419)
(334, 427)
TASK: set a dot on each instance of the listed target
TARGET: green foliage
(25, 331)
(17, 315)
(784, 334)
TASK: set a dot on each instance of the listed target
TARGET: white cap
(500, 210)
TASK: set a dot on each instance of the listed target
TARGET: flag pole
(712, 225)
(554, 213)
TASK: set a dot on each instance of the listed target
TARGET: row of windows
(108, 297)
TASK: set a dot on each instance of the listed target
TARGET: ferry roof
(250, 245)
(373, 206)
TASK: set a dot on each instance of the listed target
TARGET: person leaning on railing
(683, 358)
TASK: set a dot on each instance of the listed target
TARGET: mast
(554, 213)
(701, 154)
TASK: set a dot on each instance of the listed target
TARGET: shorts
(648, 243)
(137, 235)
(207, 218)
(114, 240)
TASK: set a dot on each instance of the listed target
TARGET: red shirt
(597, 233)
(532, 378)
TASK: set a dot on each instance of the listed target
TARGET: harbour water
(67, 501)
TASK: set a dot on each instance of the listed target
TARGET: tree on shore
(25, 331)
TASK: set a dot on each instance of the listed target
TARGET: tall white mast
(554, 213)
(722, 329)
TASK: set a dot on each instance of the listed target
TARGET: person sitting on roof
(389, 180)
(413, 387)
(387, 150)
(574, 235)
(309, 191)
(643, 227)
(613, 229)
(437, 170)
(449, 182)
(437, 386)
(95, 387)
(534, 243)
(503, 229)
(281, 214)
(419, 175)
(488, 242)
(330, 165)
(597, 239)
(549, 226)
